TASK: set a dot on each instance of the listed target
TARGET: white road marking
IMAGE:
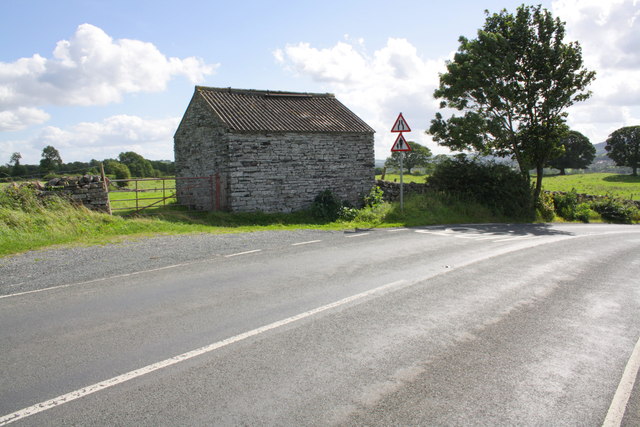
(509, 239)
(119, 276)
(357, 235)
(398, 229)
(437, 233)
(85, 391)
(621, 398)
(243, 253)
(306, 243)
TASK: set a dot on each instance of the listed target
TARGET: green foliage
(566, 204)
(416, 158)
(584, 213)
(512, 85)
(138, 165)
(623, 147)
(545, 210)
(577, 153)
(51, 160)
(616, 211)
(375, 197)
(15, 158)
(496, 186)
(326, 206)
(121, 171)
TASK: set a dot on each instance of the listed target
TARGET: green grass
(405, 178)
(28, 223)
(436, 209)
(623, 186)
(148, 193)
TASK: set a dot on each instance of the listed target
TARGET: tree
(513, 84)
(51, 159)
(138, 165)
(578, 153)
(15, 159)
(17, 169)
(623, 147)
(418, 157)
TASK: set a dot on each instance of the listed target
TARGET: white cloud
(151, 138)
(609, 34)
(394, 79)
(397, 78)
(21, 118)
(90, 69)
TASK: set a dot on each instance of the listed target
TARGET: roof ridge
(259, 92)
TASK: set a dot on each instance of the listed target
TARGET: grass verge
(28, 222)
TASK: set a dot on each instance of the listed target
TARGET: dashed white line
(243, 253)
(306, 243)
(119, 276)
(85, 391)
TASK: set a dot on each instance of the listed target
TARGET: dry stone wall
(391, 190)
(88, 190)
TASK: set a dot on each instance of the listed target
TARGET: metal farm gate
(137, 194)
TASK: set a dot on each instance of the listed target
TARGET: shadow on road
(504, 229)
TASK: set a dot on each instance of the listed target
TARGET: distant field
(147, 192)
(623, 186)
(405, 178)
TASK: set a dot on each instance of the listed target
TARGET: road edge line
(85, 391)
(618, 406)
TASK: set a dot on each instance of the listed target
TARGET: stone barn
(270, 151)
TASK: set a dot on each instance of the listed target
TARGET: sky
(95, 78)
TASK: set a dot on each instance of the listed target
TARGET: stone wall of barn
(284, 172)
(200, 150)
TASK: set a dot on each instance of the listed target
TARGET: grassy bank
(28, 222)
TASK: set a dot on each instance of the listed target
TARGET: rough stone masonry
(273, 151)
(88, 190)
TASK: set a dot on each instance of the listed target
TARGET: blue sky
(94, 78)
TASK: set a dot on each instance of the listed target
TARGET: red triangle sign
(401, 125)
(401, 144)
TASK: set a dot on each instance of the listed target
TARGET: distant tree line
(127, 165)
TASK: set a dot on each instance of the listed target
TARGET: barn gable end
(272, 151)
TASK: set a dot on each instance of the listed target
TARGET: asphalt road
(467, 325)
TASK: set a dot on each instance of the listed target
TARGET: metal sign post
(401, 145)
(401, 183)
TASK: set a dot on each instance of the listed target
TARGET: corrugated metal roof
(258, 110)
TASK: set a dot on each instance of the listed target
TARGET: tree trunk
(562, 172)
(538, 189)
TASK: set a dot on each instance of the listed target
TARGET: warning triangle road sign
(401, 125)
(401, 144)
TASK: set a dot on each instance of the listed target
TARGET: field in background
(597, 184)
(405, 178)
(623, 186)
(142, 193)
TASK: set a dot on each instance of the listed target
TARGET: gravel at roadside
(54, 267)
